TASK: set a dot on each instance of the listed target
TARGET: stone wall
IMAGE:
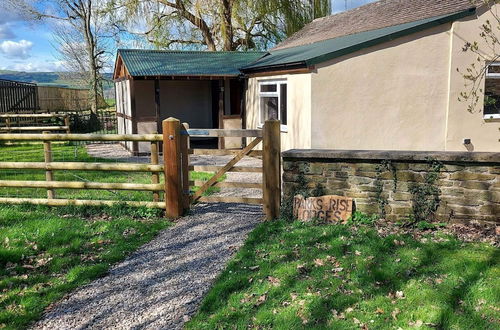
(469, 183)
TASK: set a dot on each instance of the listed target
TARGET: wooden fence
(51, 98)
(178, 196)
(34, 122)
(18, 96)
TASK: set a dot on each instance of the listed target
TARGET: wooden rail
(176, 168)
(78, 202)
(81, 166)
(82, 137)
(80, 185)
(9, 127)
(223, 132)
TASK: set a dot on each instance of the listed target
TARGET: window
(273, 105)
(492, 92)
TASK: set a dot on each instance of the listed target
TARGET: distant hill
(58, 79)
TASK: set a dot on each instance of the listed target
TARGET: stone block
(289, 166)
(316, 169)
(369, 188)
(467, 176)
(452, 192)
(478, 169)
(342, 174)
(490, 209)
(335, 184)
(355, 180)
(368, 208)
(402, 211)
(363, 174)
(461, 201)
(409, 176)
(363, 195)
(475, 185)
(401, 196)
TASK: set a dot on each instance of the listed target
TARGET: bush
(84, 123)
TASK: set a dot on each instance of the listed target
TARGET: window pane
(269, 108)
(492, 97)
(283, 104)
(268, 88)
(494, 68)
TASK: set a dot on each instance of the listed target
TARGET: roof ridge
(372, 16)
(191, 51)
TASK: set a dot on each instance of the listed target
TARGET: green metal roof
(307, 55)
(141, 62)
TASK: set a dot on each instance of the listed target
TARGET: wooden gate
(18, 97)
(176, 153)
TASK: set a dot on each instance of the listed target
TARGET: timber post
(271, 161)
(155, 178)
(172, 162)
(186, 193)
(67, 124)
(47, 151)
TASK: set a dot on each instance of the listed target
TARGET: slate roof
(373, 16)
(143, 62)
(306, 55)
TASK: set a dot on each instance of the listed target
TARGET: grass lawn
(46, 252)
(296, 275)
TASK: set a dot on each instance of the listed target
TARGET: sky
(26, 46)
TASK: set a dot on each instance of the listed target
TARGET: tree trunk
(227, 25)
(91, 53)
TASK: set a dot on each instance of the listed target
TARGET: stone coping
(401, 156)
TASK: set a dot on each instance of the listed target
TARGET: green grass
(302, 276)
(46, 252)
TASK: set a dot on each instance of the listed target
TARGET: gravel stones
(161, 285)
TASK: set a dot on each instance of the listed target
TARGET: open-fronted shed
(203, 89)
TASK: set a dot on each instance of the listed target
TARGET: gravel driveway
(161, 285)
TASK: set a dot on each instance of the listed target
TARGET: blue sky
(28, 46)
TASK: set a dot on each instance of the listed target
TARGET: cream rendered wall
(391, 96)
(461, 123)
(298, 133)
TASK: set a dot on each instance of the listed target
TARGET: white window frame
(278, 83)
(491, 76)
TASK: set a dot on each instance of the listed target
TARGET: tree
(77, 34)
(486, 51)
(216, 24)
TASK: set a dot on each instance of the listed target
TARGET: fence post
(271, 162)
(66, 123)
(7, 123)
(47, 151)
(186, 196)
(155, 177)
(172, 161)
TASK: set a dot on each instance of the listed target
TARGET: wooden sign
(327, 208)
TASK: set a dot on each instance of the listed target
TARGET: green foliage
(424, 225)
(84, 123)
(426, 196)
(363, 219)
(293, 275)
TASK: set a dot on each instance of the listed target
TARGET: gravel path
(161, 285)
